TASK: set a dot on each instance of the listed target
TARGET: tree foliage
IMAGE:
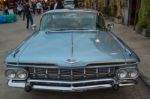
(144, 14)
(144, 17)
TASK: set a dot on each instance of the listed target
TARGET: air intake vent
(71, 74)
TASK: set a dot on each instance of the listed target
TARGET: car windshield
(69, 21)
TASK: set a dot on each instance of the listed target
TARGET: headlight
(10, 74)
(122, 73)
(127, 73)
(133, 73)
(22, 74)
(16, 73)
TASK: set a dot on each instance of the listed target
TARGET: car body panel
(56, 47)
(73, 53)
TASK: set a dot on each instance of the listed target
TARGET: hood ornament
(71, 61)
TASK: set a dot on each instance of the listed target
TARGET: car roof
(70, 10)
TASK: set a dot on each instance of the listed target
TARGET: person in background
(44, 5)
(15, 6)
(39, 7)
(58, 4)
(76, 3)
(28, 10)
(19, 9)
(52, 3)
(23, 10)
(33, 7)
(6, 8)
(0, 6)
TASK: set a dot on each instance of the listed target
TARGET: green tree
(144, 17)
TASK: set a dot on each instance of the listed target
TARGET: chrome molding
(70, 82)
(56, 66)
(71, 74)
(67, 89)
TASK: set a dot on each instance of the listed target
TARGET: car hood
(83, 47)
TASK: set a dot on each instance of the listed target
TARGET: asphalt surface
(12, 34)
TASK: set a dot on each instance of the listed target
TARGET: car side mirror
(110, 26)
(33, 27)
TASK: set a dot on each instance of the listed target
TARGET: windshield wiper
(67, 29)
(59, 29)
(49, 31)
(82, 29)
(70, 29)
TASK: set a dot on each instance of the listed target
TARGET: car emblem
(71, 61)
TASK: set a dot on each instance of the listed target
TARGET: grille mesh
(71, 74)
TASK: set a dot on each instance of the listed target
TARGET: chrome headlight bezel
(128, 73)
(7, 73)
(22, 72)
(136, 73)
(122, 73)
(17, 73)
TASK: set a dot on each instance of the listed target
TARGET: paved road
(12, 34)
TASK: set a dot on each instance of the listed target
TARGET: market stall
(7, 18)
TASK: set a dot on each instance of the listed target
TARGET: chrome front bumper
(48, 85)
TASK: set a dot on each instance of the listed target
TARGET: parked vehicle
(69, 4)
(72, 51)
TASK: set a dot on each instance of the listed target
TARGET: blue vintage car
(72, 51)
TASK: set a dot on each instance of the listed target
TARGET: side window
(45, 22)
(100, 22)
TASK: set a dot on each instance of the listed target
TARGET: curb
(145, 78)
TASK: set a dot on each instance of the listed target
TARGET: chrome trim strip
(55, 88)
(98, 66)
(73, 88)
(101, 66)
(130, 84)
(33, 66)
(70, 82)
(16, 84)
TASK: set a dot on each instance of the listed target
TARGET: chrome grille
(71, 74)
